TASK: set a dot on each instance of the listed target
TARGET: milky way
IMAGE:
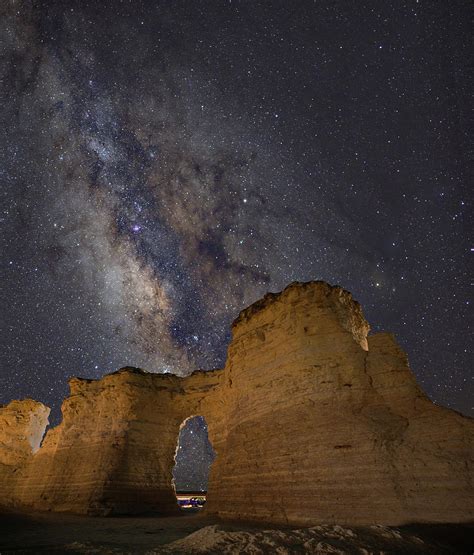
(164, 164)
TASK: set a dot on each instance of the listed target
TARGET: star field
(193, 457)
(165, 164)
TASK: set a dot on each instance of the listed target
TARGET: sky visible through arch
(194, 456)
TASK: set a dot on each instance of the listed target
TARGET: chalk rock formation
(22, 425)
(323, 425)
(114, 449)
(312, 420)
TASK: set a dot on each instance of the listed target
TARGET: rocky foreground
(319, 540)
(54, 534)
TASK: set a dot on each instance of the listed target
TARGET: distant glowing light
(136, 228)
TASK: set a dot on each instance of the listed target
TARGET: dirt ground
(42, 533)
(48, 532)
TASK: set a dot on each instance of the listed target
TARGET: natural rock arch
(308, 405)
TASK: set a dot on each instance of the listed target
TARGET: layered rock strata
(114, 449)
(312, 420)
(22, 425)
(330, 425)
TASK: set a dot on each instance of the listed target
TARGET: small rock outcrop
(312, 420)
(22, 426)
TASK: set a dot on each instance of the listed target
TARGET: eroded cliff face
(22, 425)
(330, 427)
(311, 420)
(114, 449)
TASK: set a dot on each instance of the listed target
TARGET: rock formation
(22, 425)
(312, 420)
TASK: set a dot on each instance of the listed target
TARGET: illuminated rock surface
(22, 425)
(312, 422)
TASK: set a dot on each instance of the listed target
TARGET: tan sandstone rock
(22, 425)
(311, 420)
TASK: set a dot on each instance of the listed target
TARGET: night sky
(165, 164)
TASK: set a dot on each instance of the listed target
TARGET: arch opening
(193, 458)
